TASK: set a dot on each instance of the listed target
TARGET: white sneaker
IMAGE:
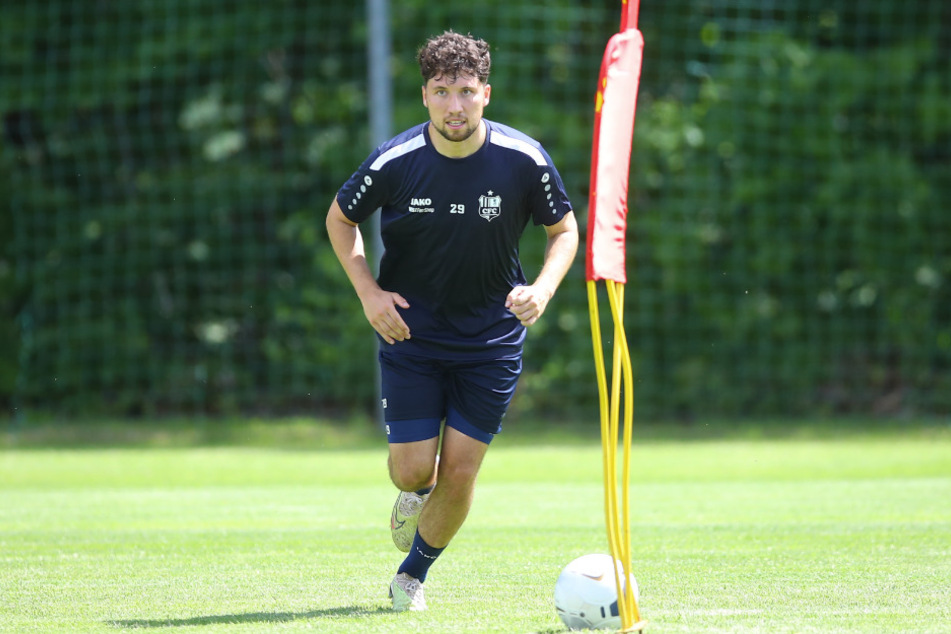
(407, 593)
(405, 517)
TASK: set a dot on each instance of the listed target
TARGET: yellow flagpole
(611, 410)
(607, 447)
(623, 368)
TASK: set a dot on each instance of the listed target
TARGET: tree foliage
(169, 163)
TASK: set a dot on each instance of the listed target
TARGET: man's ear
(488, 93)
(424, 97)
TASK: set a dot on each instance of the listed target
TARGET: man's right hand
(380, 308)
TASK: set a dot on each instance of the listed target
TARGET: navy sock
(421, 556)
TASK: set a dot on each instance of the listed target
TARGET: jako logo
(422, 201)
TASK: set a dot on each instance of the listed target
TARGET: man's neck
(458, 149)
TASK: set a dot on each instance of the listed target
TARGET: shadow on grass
(250, 617)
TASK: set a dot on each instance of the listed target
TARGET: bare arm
(379, 306)
(528, 303)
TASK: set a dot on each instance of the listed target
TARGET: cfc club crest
(490, 206)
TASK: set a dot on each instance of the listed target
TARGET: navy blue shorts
(472, 396)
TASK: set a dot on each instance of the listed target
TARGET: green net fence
(168, 165)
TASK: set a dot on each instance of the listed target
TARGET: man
(451, 305)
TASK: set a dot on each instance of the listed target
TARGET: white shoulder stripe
(395, 152)
(521, 146)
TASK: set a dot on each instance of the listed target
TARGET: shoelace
(410, 504)
(411, 588)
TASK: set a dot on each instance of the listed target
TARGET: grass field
(789, 532)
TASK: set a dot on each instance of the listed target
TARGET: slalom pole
(615, 106)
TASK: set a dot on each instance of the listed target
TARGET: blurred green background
(168, 164)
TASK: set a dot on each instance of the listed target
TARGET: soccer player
(452, 304)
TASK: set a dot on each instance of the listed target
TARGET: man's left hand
(527, 303)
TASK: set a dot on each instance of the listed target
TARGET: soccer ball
(586, 593)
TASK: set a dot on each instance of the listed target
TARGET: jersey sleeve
(364, 192)
(548, 200)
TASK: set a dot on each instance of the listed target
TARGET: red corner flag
(611, 150)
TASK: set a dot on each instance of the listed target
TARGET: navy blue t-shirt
(450, 229)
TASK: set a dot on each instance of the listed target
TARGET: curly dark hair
(452, 54)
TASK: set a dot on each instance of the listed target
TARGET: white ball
(586, 593)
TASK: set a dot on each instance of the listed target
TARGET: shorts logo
(384, 403)
(490, 207)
